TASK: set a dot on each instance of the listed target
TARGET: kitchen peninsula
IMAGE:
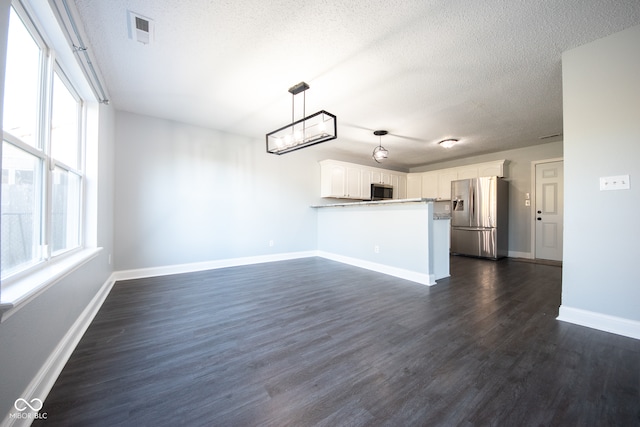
(400, 237)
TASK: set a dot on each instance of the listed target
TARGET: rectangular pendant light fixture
(310, 130)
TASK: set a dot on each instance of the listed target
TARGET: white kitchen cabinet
(344, 180)
(340, 181)
(380, 176)
(399, 183)
(444, 183)
(354, 183)
(386, 178)
(430, 185)
(437, 184)
(467, 172)
(334, 179)
(414, 185)
(366, 184)
(492, 168)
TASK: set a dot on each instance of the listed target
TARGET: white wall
(601, 90)
(401, 233)
(186, 194)
(518, 173)
(31, 335)
(28, 337)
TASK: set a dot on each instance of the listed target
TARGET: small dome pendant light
(380, 153)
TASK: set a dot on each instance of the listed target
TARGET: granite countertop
(375, 202)
(442, 215)
(436, 216)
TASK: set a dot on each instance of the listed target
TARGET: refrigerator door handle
(472, 204)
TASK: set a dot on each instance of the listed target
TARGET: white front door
(549, 210)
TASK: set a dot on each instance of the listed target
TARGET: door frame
(534, 163)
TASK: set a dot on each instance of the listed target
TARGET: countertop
(436, 216)
(375, 202)
(441, 216)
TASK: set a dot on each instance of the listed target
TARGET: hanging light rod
(310, 130)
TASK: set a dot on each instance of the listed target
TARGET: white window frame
(21, 286)
(81, 161)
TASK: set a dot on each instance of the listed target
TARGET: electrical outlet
(620, 182)
(376, 249)
(527, 202)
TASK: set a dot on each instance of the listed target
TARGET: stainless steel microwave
(381, 192)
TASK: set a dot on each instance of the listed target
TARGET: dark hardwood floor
(315, 342)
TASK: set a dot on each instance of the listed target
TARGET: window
(42, 153)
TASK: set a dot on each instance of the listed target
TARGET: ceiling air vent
(141, 29)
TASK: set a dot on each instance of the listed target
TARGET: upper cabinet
(414, 185)
(491, 169)
(444, 183)
(437, 184)
(468, 172)
(430, 182)
(399, 184)
(380, 176)
(354, 182)
(342, 180)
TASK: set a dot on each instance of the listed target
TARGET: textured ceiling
(487, 72)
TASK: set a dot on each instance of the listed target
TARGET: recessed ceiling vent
(141, 28)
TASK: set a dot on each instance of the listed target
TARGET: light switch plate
(619, 182)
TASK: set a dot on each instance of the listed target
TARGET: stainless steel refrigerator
(480, 217)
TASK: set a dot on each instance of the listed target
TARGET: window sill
(18, 293)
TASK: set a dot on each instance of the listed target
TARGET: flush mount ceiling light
(308, 131)
(380, 153)
(448, 143)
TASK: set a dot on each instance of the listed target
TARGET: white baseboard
(516, 254)
(603, 322)
(208, 265)
(41, 384)
(424, 279)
